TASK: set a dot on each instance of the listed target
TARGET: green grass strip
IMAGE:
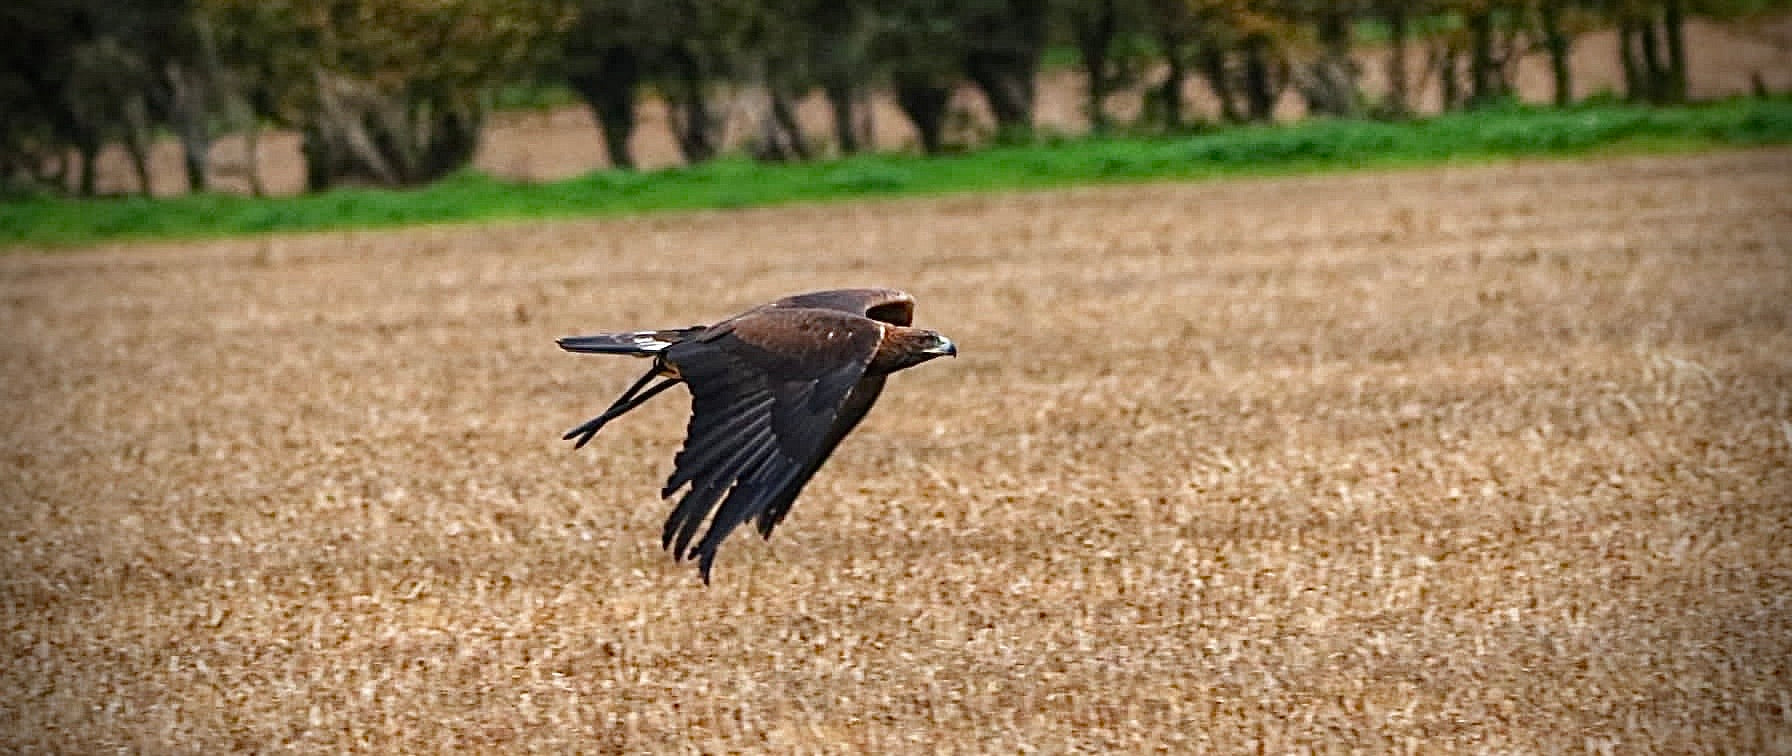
(1306, 147)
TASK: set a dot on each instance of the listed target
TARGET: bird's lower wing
(857, 404)
(759, 429)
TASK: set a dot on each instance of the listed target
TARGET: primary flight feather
(773, 390)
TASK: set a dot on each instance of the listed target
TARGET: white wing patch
(647, 341)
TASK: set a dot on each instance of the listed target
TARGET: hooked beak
(945, 347)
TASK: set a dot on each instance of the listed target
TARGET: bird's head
(938, 345)
(904, 347)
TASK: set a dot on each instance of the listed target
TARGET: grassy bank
(1297, 148)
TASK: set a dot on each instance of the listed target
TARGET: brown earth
(1723, 61)
(1485, 459)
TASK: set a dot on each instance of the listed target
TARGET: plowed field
(1485, 459)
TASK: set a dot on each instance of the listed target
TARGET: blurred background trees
(396, 92)
(386, 92)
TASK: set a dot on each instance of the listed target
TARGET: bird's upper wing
(767, 394)
(887, 305)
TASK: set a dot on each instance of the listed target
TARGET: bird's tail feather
(640, 343)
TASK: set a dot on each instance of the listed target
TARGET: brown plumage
(773, 390)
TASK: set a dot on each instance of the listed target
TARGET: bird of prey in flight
(773, 390)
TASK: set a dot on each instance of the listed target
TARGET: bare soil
(1490, 459)
(1724, 60)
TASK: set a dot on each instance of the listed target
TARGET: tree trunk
(195, 156)
(1673, 21)
(780, 135)
(319, 155)
(1003, 61)
(190, 111)
(136, 145)
(1169, 92)
(1484, 73)
(1094, 38)
(1654, 72)
(134, 119)
(89, 150)
(694, 126)
(1449, 84)
(1259, 79)
(453, 137)
(1397, 105)
(693, 123)
(349, 135)
(1219, 79)
(1007, 85)
(785, 113)
(1627, 56)
(843, 100)
(366, 136)
(252, 156)
(1330, 85)
(925, 104)
(608, 84)
(840, 61)
(1557, 42)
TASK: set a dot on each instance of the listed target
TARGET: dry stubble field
(1480, 459)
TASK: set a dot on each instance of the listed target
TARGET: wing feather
(803, 431)
(702, 497)
(708, 486)
(737, 427)
(857, 404)
(768, 395)
(747, 500)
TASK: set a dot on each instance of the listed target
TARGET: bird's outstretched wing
(887, 305)
(851, 412)
(769, 392)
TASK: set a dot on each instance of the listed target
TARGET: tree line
(396, 92)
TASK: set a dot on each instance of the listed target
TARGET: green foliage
(1742, 8)
(866, 176)
(532, 96)
(1323, 145)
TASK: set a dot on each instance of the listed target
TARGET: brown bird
(773, 390)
